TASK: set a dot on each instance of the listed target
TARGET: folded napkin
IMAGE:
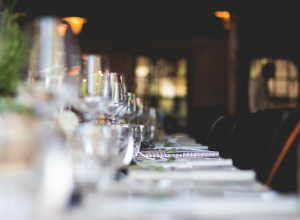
(204, 175)
(188, 162)
(183, 147)
(209, 162)
(282, 207)
(161, 153)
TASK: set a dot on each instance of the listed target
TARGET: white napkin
(198, 208)
(182, 147)
(204, 175)
(188, 162)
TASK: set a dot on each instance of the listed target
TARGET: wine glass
(73, 57)
(94, 90)
(123, 139)
(125, 94)
(124, 85)
(44, 86)
(117, 99)
(131, 112)
(98, 152)
(136, 133)
(142, 118)
(142, 111)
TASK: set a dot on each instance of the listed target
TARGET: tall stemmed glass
(73, 57)
(44, 86)
(46, 89)
(105, 149)
(95, 90)
(125, 95)
(142, 111)
(131, 111)
(117, 99)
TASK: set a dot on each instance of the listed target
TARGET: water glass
(130, 113)
(117, 103)
(145, 132)
(136, 133)
(98, 151)
(94, 87)
(142, 111)
(45, 85)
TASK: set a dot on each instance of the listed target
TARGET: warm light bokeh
(76, 23)
(222, 14)
(74, 70)
(62, 28)
(225, 16)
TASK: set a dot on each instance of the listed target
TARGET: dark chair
(220, 134)
(281, 164)
(256, 141)
(249, 144)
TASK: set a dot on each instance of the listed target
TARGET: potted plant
(16, 140)
(13, 49)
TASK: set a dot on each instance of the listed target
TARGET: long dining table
(189, 187)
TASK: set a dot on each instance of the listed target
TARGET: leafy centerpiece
(13, 50)
(17, 140)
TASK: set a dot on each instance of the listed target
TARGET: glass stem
(113, 121)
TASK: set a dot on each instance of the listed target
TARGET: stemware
(98, 152)
(44, 86)
(117, 99)
(142, 111)
(136, 133)
(125, 95)
(142, 118)
(130, 114)
(94, 90)
(73, 56)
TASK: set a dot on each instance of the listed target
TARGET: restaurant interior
(164, 32)
(192, 63)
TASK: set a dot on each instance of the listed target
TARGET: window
(284, 87)
(164, 80)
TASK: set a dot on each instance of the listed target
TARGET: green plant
(13, 49)
(9, 104)
(172, 158)
(173, 150)
(166, 143)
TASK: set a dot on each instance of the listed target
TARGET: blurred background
(192, 60)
